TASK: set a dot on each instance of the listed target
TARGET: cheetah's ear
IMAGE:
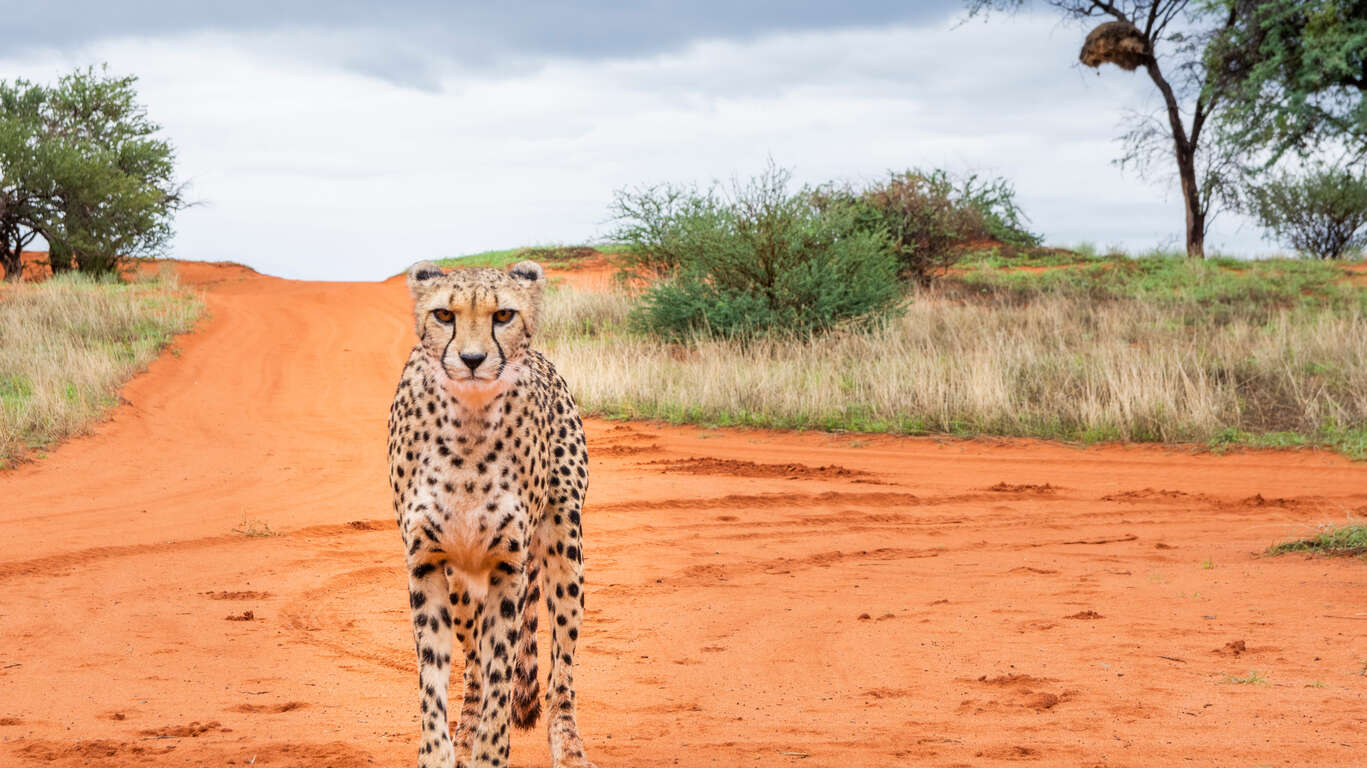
(421, 277)
(528, 270)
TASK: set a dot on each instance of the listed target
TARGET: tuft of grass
(1331, 540)
(255, 529)
(1254, 677)
(69, 343)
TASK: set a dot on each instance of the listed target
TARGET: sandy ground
(756, 598)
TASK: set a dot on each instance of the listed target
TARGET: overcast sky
(346, 140)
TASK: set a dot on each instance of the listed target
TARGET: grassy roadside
(1347, 540)
(1270, 354)
(68, 344)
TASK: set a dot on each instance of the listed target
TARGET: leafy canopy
(82, 165)
(1294, 73)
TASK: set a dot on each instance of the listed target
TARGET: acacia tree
(1167, 39)
(1321, 212)
(85, 168)
(1294, 75)
(120, 203)
(27, 195)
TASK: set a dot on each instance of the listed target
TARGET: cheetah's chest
(476, 482)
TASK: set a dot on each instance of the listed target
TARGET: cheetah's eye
(504, 316)
(443, 315)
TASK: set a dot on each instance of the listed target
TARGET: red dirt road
(755, 598)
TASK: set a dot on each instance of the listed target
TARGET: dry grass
(67, 344)
(1054, 366)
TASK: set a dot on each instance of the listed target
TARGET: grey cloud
(409, 41)
(407, 69)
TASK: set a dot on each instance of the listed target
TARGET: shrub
(661, 227)
(1322, 212)
(753, 260)
(931, 218)
(926, 225)
(995, 200)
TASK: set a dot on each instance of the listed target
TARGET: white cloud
(312, 170)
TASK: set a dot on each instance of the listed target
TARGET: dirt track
(861, 602)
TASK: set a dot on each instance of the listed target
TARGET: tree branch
(1107, 8)
(1179, 133)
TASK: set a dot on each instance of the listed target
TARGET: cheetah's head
(476, 323)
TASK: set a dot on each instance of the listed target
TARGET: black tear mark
(447, 348)
(425, 274)
(502, 358)
(525, 274)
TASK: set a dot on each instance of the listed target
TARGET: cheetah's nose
(472, 359)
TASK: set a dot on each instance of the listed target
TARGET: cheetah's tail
(526, 685)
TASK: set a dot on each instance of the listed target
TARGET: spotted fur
(488, 466)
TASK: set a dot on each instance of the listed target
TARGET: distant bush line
(758, 257)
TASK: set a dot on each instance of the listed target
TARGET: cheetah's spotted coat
(489, 469)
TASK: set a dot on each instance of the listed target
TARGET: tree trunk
(58, 256)
(11, 261)
(1191, 201)
(1186, 162)
(14, 267)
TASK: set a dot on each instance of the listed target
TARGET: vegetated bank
(69, 343)
(1155, 349)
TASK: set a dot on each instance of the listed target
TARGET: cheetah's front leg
(428, 597)
(496, 640)
(565, 600)
(467, 614)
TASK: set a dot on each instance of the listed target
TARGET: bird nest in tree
(1117, 42)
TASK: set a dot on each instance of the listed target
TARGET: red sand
(756, 598)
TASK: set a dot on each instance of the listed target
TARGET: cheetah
(488, 466)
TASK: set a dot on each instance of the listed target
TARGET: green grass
(1331, 540)
(553, 256)
(1351, 442)
(1007, 257)
(1254, 677)
(68, 344)
(1214, 289)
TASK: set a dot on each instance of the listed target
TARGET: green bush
(1322, 212)
(662, 227)
(755, 260)
(931, 218)
(995, 201)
